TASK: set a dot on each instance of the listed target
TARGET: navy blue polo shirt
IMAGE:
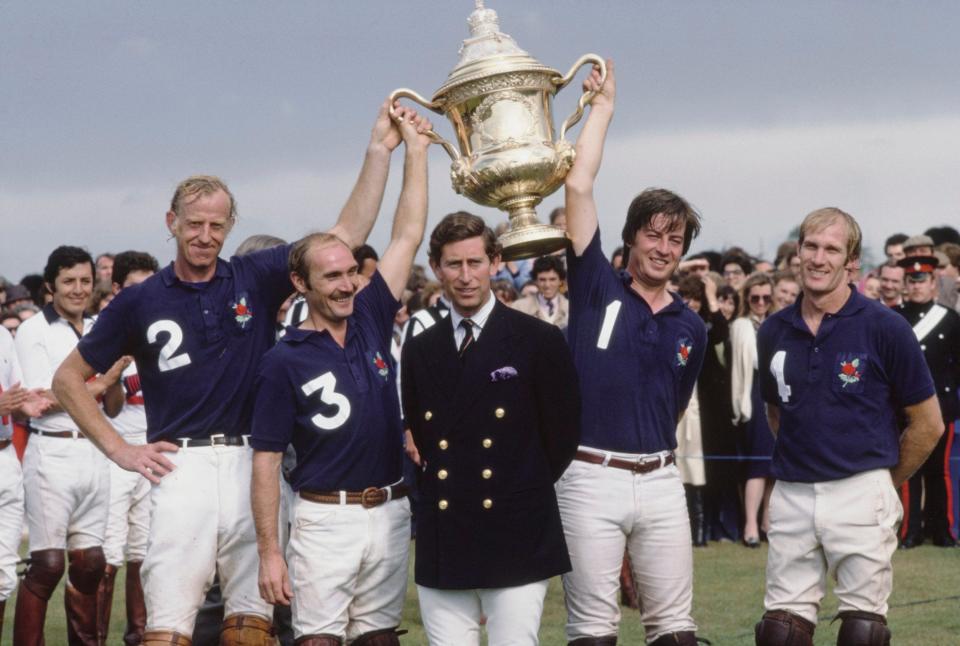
(338, 406)
(637, 369)
(839, 391)
(197, 345)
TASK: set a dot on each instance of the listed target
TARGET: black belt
(637, 466)
(218, 439)
(4, 444)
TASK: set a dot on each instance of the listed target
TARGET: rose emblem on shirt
(684, 347)
(381, 365)
(850, 372)
(242, 312)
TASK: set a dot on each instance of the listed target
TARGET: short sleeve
(375, 308)
(269, 269)
(904, 363)
(589, 271)
(688, 380)
(274, 405)
(768, 386)
(112, 334)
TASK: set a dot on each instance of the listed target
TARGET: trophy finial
(483, 21)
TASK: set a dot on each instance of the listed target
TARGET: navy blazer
(494, 433)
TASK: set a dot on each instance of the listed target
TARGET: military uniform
(938, 330)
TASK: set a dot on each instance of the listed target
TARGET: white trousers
(348, 567)
(66, 484)
(606, 509)
(847, 528)
(128, 522)
(11, 519)
(452, 617)
(201, 524)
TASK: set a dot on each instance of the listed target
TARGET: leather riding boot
(3, 606)
(384, 637)
(136, 608)
(606, 640)
(862, 629)
(782, 628)
(82, 625)
(682, 638)
(44, 570)
(165, 638)
(105, 603)
(319, 640)
(247, 630)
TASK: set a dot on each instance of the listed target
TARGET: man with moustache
(328, 388)
(490, 395)
(66, 480)
(197, 330)
(638, 350)
(836, 369)
(927, 495)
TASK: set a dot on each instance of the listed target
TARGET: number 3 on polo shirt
(174, 339)
(326, 383)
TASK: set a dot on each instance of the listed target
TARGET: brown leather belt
(636, 466)
(77, 435)
(369, 497)
(4, 444)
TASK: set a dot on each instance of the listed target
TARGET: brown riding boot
(318, 640)
(247, 630)
(105, 603)
(3, 606)
(136, 608)
(82, 624)
(44, 570)
(165, 638)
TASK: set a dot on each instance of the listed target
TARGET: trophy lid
(489, 51)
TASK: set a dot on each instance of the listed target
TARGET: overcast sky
(756, 112)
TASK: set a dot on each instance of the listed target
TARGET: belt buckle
(371, 491)
(218, 439)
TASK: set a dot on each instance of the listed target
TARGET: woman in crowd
(756, 298)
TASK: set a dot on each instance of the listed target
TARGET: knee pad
(606, 640)
(86, 569)
(165, 638)
(385, 637)
(782, 628)
(862, 629)
(318, 640)
(683, 638)
(247, 630)
(44, 570)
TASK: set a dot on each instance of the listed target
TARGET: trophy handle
(562, 82)
(404, 93)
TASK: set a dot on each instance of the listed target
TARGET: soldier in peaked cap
(938, 330)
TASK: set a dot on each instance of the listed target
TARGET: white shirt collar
(479, 319)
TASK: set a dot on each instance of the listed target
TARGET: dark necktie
(550, 307)
(467, 341)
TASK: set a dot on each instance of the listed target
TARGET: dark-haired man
(490, 395)
(893, 247)
(891, 284)
(128, 520)
(328, 388)
(197, 331)
(835, 370)
(927, 494)
(548, 304)
(66, 480)
(638, 350)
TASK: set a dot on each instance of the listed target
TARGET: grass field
(728, 594)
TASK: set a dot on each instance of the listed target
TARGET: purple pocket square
(504, 373)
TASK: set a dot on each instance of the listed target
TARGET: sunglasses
(756, 299)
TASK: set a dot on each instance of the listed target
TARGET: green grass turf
(728, 600)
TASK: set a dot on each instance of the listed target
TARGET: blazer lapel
(492, 349)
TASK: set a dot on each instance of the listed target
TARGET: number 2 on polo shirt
(776, 367)
(174, 339)
(326, 383)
